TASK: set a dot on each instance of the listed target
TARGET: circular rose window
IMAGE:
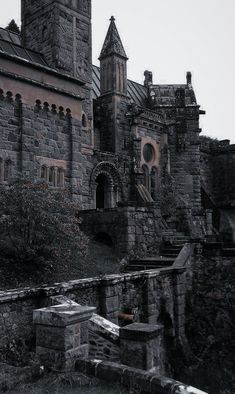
(148, 153)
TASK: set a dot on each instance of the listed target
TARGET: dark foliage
(38, 225)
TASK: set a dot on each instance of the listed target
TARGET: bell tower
(61, 31)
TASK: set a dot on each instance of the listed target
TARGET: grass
(15, 380)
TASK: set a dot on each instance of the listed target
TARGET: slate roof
(164, 94)
(112, 43)
(11, 43)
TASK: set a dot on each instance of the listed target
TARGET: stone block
(58, 333)
(58, 338)
(61, 360)
(62, 315)
(141, 347)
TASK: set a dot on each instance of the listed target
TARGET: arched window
(84, 120)
(146, 177)
(60, 177)
(7, 170)
(44, 173)
(148, 153)
(52, 175)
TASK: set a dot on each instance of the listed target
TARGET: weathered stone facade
(110, 140)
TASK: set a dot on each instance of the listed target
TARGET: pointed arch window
(44, 173)
(84, 121)
(60, 177)
(52, 176)
(7, 170)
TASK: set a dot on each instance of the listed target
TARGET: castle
(113, 142)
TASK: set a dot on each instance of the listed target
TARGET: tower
(61, 31)
(113, 63)
(113, 90)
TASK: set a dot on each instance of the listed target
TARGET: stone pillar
(58, 334)
(109, 299)
(141, 347)
(149, 299)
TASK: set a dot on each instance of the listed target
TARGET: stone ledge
(64, 287)
(104, 328)
(62, 315)
(127, 376)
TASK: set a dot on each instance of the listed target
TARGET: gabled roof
(112, 43)
(137, 93)
(10, 43)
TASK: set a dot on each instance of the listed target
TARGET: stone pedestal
(142, 348)
(58, 334)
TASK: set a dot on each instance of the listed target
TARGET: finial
(189, 78)
(112, 19)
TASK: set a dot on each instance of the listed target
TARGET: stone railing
(134, 378)
(144, 292)
(103, 339)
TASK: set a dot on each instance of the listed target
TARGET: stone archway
(106, 186)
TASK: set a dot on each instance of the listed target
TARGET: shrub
(38, 224)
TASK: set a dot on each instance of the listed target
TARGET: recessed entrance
(103, 192)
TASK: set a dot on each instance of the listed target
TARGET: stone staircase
(170, 248)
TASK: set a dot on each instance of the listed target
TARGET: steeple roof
(112, 44)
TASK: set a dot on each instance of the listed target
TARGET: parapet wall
(136, 379)
(154, 296)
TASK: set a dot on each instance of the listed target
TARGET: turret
(113, 63)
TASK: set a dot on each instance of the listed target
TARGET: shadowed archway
(106, 186)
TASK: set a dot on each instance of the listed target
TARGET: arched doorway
(103, 192)
(105, 186)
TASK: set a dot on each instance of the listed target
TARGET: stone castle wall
(210, 321)
(185, 156)
(218, 172)
(130, 228)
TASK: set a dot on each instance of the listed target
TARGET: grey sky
(170, 37)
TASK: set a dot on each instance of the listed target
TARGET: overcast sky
(170, 37)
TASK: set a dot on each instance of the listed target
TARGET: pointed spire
(112, 44)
